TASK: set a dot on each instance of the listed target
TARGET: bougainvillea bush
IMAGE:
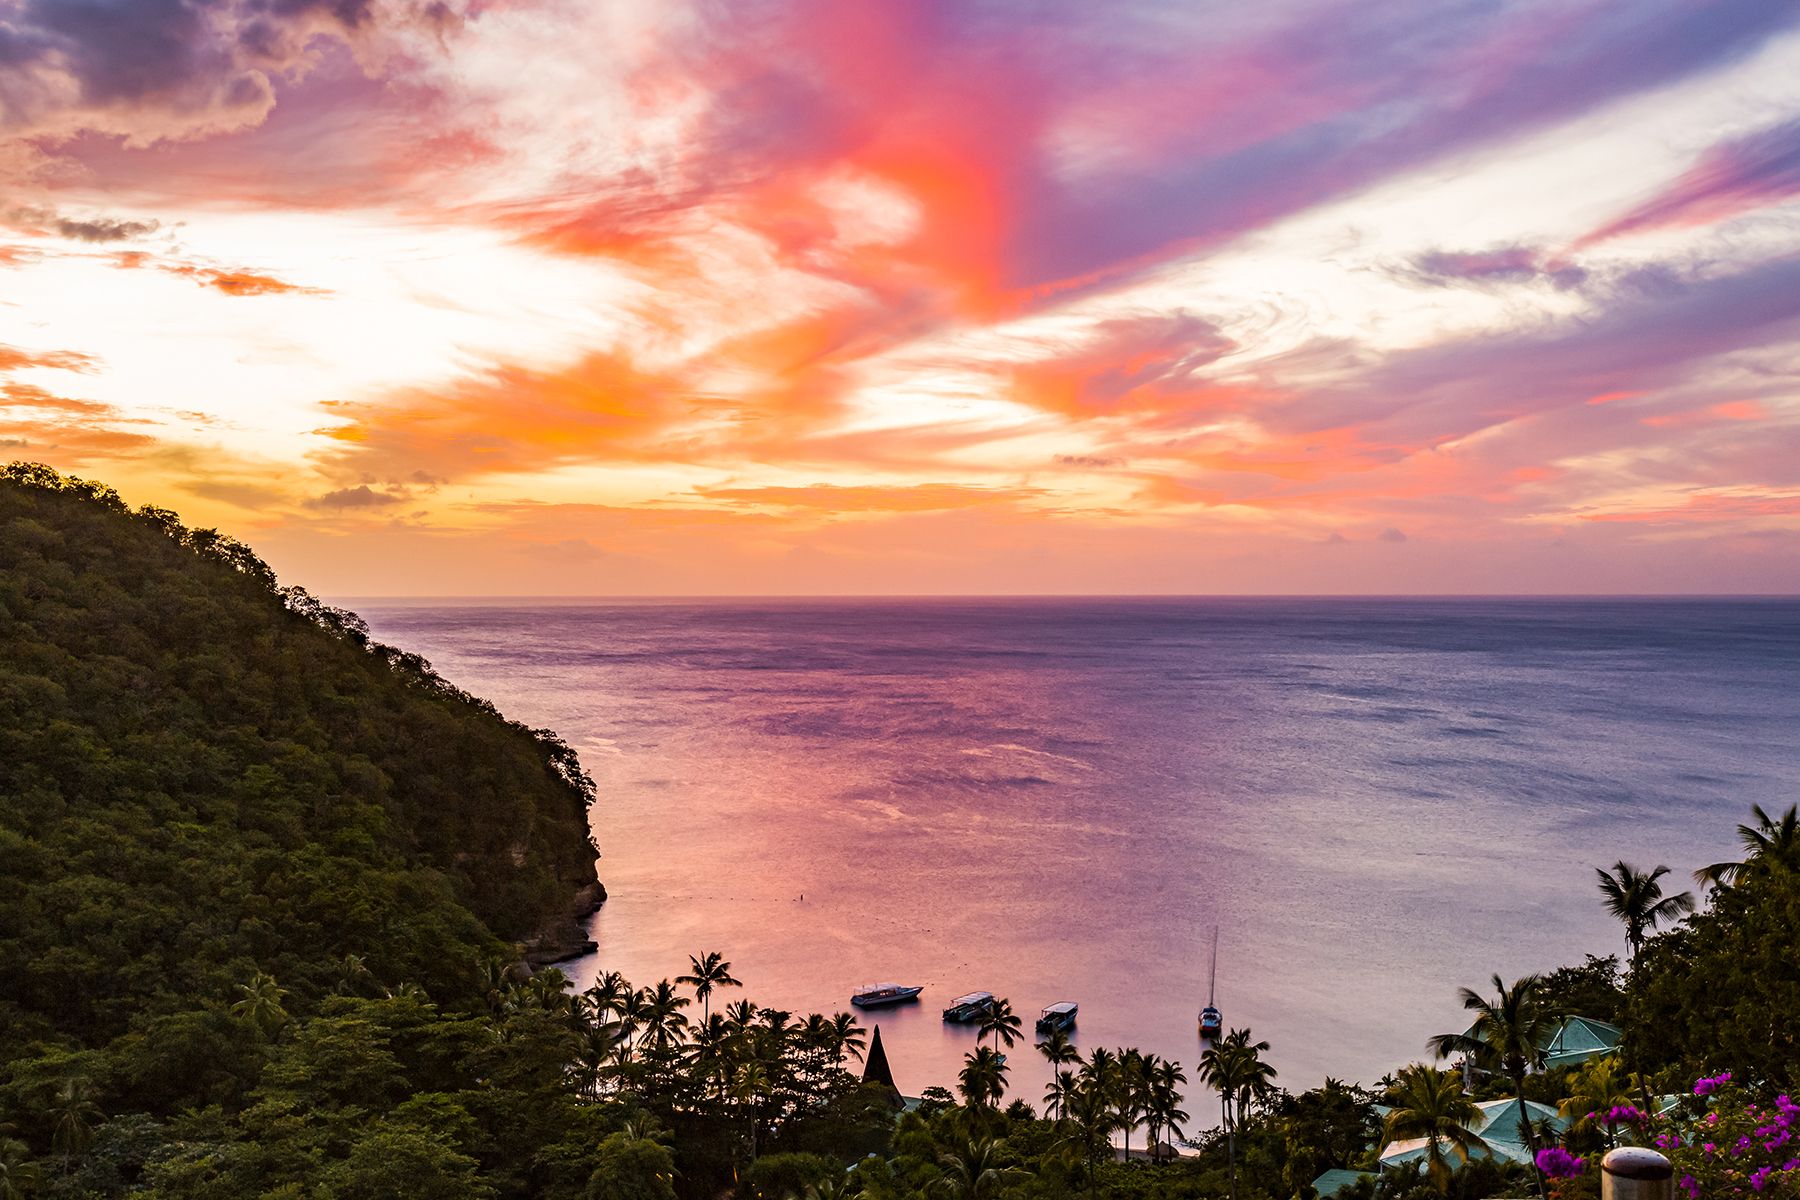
(1724, 1144)
(1737, 1146)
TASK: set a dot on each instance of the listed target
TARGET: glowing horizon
(548, 298)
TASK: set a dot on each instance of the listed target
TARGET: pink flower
(1558, 1163)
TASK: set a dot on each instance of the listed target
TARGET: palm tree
(1163, 1105)
(606, 996)
(973, 1170)
(354, 974)
(72, 1116)
(1636, 898)
(1770, 844)
(710, 970)
(1001, 1021)
(1057, 1050)
(1512, 1030)
(848, 1037)
(750, 1089)
(1057, 1095)
(1089, 1108)
(261, 1004)
(1599, 1086)
(741, 1013)
(18, 1174)
(662, 1016)
(1233, 1066)
(1133, 1091)
(982, 1080)
(599, 1045)
(838, 1187)
(1428, 1103)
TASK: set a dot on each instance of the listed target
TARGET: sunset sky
(797, 296)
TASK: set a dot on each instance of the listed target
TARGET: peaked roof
(1578, 1039)
(1334, 1181)
(1573, 1040)
(875, 1065)
(1499, 1127)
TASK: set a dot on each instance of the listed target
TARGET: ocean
(1374, 801)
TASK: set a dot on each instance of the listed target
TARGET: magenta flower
(1558, 1163)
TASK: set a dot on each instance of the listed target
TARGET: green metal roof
(1498, 1126)
(1574, 1040)
(1334, 1181)
(1578, 1039)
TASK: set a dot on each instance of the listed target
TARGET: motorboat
(971, 1007)
(1060, 1015)
(878, 995)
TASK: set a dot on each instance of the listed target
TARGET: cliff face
(203, 775)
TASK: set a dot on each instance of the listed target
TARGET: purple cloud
(1734, 177)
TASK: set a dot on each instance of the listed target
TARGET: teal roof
(1574, 1040)
(1334, 1181)
(1498, 1126)
(1578, 1039)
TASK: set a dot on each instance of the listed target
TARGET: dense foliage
(208, 781)
(1723, 989)
(263, 883)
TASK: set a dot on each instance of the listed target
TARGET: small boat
(1060, 1015)
(1211, 1023)
(877, 995)
(971, 1007)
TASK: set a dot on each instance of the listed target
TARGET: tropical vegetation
(269, 891)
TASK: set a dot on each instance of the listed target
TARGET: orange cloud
(845, 498)
(13, 359)
(512, 419)
(231, 282)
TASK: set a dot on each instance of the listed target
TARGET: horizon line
(690, 597)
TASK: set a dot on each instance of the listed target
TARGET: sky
(574, 297)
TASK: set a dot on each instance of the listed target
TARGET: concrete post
(1636, 1173)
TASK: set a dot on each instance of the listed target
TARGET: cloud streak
(1737, 176)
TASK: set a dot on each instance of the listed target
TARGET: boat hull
(886, 999)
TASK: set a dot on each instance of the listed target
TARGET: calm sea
(1375, 801)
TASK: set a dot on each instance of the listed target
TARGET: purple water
(1376, 801)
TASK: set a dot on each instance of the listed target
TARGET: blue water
(1377, 801)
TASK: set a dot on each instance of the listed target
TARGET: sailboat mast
(1212, 982)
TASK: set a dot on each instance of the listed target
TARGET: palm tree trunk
(1231, 1146)
(1537, 1173)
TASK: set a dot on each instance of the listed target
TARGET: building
(1500, 1126)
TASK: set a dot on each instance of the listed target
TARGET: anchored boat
(971, 1007)
(1060, 1015)
(1211, 1023)
(876, 995)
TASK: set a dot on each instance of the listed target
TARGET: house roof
(875, 1064)
(1498, 1126)
(1334, 1181)
(1572, 1040)
(1578, 1039)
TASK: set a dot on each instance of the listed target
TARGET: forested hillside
(206, 779)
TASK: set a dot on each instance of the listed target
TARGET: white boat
(875, 995)
(1211, 1022)
(970, 1007)
(1060, 1015)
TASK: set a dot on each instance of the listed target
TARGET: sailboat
(1211, 1023)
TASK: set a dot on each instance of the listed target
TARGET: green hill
(204, 776)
